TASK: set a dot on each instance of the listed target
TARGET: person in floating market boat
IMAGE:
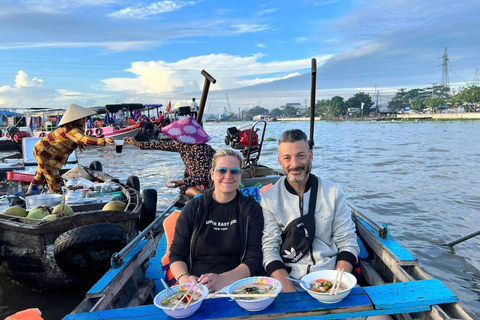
(218, 236)
(189, 140)
(289, 202)
(53, 150)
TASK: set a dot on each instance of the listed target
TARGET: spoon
(303, 283)
(167, 287)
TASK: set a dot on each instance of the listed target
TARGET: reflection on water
(421, 178)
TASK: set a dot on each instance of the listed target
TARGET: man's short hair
(293, 135)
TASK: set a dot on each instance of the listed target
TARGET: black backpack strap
(312, 203)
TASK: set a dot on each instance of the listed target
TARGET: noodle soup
(168, 300)
(325, 286)
(255, 285)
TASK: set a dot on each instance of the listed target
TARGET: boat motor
(246, 138)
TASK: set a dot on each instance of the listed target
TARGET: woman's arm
(215, 282)
(180, 272)
(76, 135)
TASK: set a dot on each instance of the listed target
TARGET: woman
(189, 141)
(52, 151)
(218, 236)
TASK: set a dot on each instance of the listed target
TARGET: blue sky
(94, 52)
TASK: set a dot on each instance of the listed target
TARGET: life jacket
(28, 314)
(169, 226)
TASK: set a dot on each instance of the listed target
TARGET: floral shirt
(196, 157)
(55, 147)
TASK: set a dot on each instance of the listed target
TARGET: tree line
(418, 99)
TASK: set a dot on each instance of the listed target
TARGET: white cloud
(22, 80)
(266, 80)
(248, 28)
(261, 45)
(55, 6)
(267, 11)
(29, 93)
(159, 77)
(113, 46)
(301, 40)
(157, 8)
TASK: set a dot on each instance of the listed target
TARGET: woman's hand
(174, 183)
(189, 279)
(132, 141)
(110, 141)
(212, 281)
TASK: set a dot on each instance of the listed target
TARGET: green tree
(357, 100)
(289, 111)
(469, 96)
(321, 107)
(417, 104)
(432, 103)
(276, 112)
(257, 110)
(399, 101)
(337, 107)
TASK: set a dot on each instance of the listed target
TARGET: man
(334, 245)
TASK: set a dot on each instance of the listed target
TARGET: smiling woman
(217, 230)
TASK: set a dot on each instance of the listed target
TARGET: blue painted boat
(393, 281)
(395, 285)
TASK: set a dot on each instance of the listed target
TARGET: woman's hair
(225, 153)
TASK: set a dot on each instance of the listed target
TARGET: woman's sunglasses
(223, 171)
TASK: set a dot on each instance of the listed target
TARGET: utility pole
(476, 80)
(445, 79)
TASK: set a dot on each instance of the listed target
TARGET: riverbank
(435, 116)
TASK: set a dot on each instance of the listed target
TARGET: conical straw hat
(75, 112)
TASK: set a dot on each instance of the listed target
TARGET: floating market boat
(73, 249)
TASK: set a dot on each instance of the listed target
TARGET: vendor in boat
(293, 199)
(189, 140)
(53, 150)
(218, 236)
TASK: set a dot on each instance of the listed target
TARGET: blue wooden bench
(403, 297)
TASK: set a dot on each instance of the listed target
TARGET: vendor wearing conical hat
(189, 140)
(53, 150)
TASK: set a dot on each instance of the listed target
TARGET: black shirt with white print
(218, 246)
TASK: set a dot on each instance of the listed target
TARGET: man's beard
(298, 178)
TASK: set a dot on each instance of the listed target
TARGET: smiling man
(308, 225)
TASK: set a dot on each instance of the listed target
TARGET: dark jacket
(193, 216)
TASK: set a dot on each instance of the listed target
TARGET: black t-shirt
(218, 247)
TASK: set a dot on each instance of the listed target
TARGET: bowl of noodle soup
(321, 282)
(167, 301)
(255, 285)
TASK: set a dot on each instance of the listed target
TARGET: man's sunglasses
(223, 170)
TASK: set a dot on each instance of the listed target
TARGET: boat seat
(397, 298)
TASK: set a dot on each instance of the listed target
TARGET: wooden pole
(203, 100)
(312, 101)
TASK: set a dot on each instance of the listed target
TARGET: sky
(96, 52)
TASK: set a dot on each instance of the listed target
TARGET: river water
(421, 178)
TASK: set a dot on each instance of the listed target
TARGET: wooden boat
(71, 250)
(393, 282)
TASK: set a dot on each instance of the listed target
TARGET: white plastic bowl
(256, 304)
(348, 279)
(180, 312)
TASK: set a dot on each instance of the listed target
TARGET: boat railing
(381, 229)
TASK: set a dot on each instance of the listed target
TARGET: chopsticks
(193, 295)
(178, 303)
(242, 295)
(337, 283)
